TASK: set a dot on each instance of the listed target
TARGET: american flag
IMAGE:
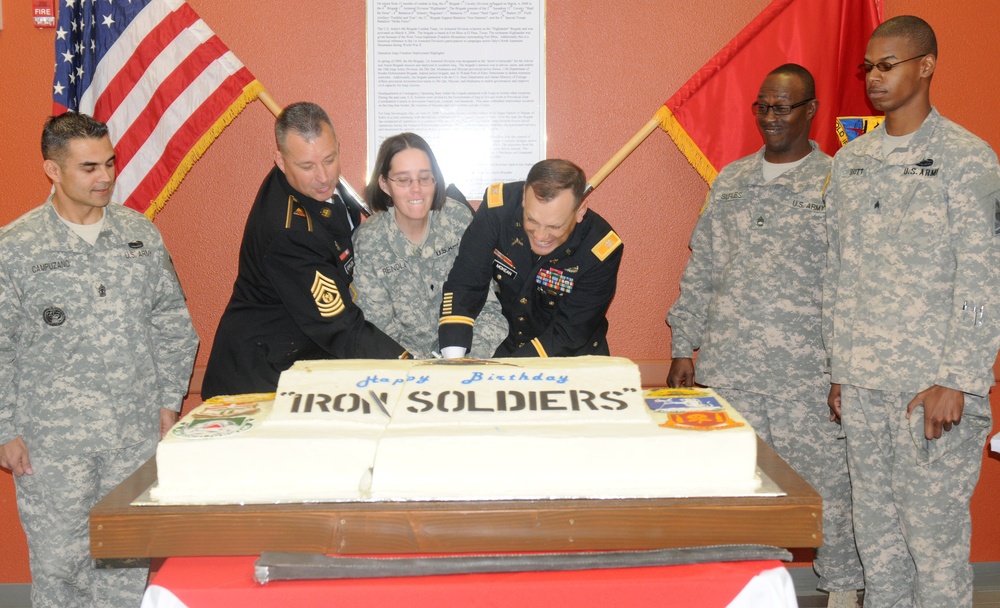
(159, 77)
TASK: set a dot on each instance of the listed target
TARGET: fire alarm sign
(44, 13)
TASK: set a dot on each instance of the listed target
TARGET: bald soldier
(751, 303)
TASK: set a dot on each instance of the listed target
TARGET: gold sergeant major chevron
(327, 296)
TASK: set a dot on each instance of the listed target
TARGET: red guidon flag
(159, 77)
(709, 117)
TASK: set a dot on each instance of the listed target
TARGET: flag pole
(269, 102)
(622, 154)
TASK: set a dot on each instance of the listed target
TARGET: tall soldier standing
(910, 324)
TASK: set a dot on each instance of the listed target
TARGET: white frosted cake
(457, 430)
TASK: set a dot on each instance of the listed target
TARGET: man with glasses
(909, 320)
(751, 304)
(292, 297)
(553, 261)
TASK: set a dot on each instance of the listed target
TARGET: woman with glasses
(405, 250)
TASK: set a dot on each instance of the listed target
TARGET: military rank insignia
(554, 281)
(494, 196)
(327, 296)
(609, 243)
(996, 217)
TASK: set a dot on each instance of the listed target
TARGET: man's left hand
(168, 418)
(942, 408)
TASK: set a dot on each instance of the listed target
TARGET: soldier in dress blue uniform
(553, 262)
(292, 298)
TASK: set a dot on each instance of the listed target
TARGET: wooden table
(119, 530)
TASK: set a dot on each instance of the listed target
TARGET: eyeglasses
(406, 181)
(761, 109)
(885, 66)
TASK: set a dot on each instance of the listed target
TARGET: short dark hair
(794, 69)
(305, 118)
(377, 199)
(549, 177)
(60, 130)
(914, 29)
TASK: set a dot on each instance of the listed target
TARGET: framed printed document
(469, 77)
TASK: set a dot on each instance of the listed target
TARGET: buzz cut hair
(549, 177)
(796, 70)
(304, 118)
(60, 130)
(914, 29)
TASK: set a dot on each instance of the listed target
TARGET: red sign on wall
(44, 13)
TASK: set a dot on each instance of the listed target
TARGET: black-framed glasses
(885, 66)
(760, 109)
(425, 181)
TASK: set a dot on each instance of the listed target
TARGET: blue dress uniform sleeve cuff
(454, 333)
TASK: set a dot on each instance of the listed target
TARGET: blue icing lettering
(376, 379)
(514, 377)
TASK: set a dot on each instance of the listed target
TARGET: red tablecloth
(202, 582)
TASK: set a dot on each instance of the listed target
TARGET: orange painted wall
(610, 66)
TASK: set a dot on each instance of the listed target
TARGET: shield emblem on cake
(700, 421)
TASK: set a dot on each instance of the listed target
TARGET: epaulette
(494, 196)
(606, 245)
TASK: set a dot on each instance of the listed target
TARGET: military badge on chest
(53, 316)
(502, 266)
(346, 258)
(553, 281)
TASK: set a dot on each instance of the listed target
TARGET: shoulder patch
(327, 296)
(609, 243)
(494, 196)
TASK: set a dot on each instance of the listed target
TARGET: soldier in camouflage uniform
(751, 303)
(97, 348)
(909, 321)
(405, 250)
